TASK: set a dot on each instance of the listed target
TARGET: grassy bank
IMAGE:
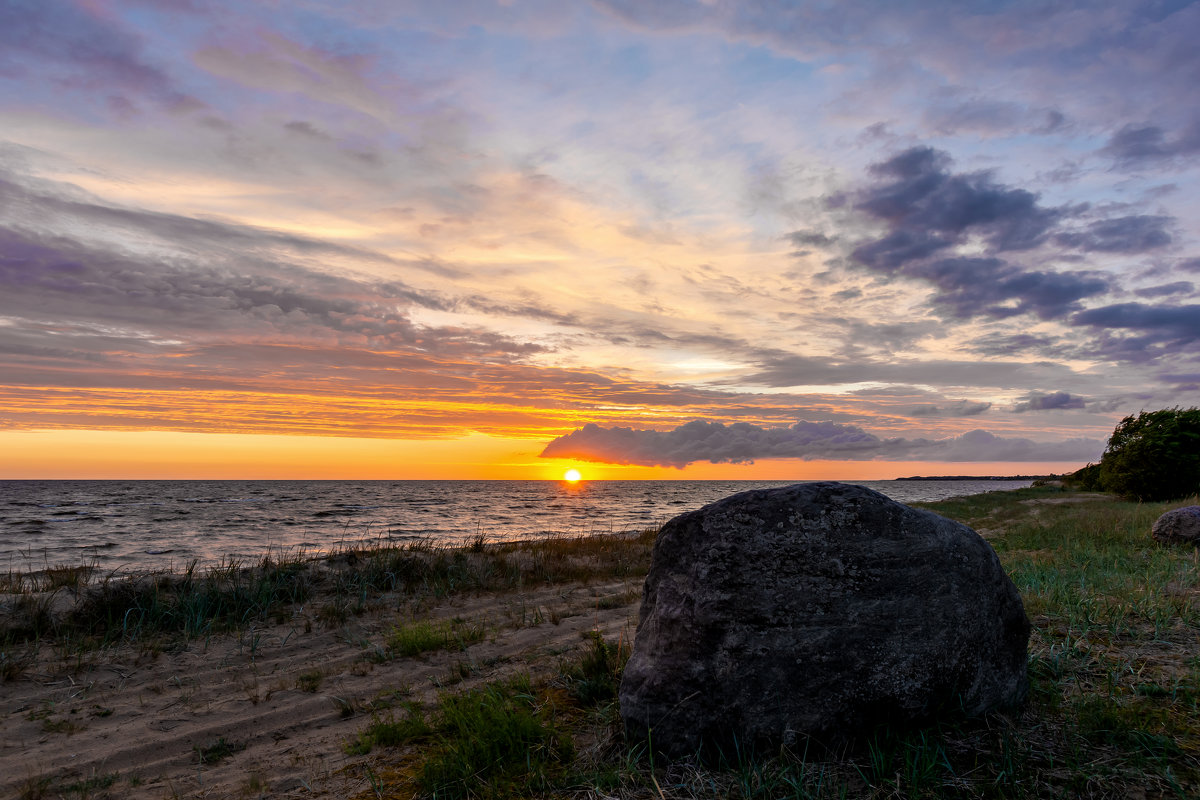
(1114, 709)
(79, 609)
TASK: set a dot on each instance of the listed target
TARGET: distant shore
(979, 478)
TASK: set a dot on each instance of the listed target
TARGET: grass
(310, 681)
(413, 639)
(1114, 708)
(78, 608)
(596, 676)
(219, 750)
(501, 740)
(390, 731)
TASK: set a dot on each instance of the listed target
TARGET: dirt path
(284, 699)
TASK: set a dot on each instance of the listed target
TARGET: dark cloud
(1152, 326)
(1167, 289)
(931, 211)
(741, 443)
(1189, 265)
(957, 408)
(1131, 234)
(1049, 402)
(970, 287)
(1007, 344)
(803, 239)
(1180, 377)
(1142, 145)
(920, 194)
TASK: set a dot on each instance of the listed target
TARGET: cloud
(931, 213)
(991, 117)
(1178, 287)
(1130, 60)
(1154, 328)
(957, 408)
(803, 239)
(919, 194)
(78, 49)
(1048, 402)
(274, 63)
(781, 369)
(1144, 145)
(1180, 377)
(32, 207)
(742, 442)
(61, 279)
(1131, 234)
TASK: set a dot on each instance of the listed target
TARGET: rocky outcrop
(817, 610)
(1178, 526)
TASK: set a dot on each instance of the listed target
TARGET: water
(144, 525)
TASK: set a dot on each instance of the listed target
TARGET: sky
(664, 239)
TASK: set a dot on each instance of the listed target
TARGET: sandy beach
(269, 710)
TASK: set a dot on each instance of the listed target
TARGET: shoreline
(126, 527)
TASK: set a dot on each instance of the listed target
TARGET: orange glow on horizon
(132, 455)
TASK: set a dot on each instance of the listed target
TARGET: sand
(71, 722)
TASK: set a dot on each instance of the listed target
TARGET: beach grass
(83, 608)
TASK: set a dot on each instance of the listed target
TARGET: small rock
(817, 610)
(1178, 525)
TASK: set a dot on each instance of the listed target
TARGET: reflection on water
(166, 524)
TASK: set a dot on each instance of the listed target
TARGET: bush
(1154, 456)
(1085, 478)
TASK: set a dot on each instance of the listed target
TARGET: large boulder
(817, 610)
(1178, 525)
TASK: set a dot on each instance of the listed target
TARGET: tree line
(1154, 456)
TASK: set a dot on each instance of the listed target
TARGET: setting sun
(572, 476)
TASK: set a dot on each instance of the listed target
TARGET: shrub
(1154, 456)
(1085, 478)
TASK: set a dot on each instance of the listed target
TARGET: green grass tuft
(498, 741)
(596, 676)
(413, 639)
(390, 731)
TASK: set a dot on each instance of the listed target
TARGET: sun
(572, 476)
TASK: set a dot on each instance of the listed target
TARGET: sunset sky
(671, 238)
